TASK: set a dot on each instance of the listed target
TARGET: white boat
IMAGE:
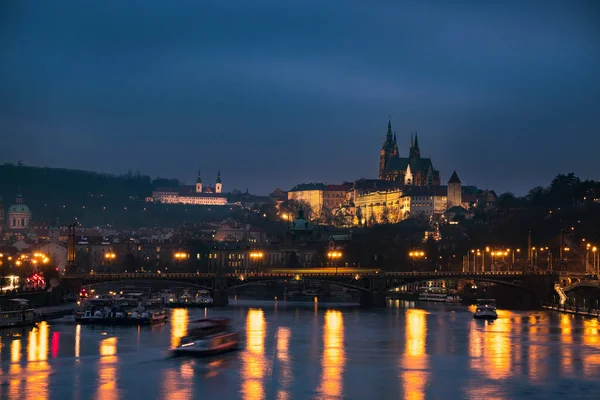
(18, 312)
(452, 298)
(204, 298)
(208, 337)
(433, 297)
(485, 309)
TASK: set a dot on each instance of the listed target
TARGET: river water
(314, 351)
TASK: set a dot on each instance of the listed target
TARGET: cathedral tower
(219, 186)
(414, 148)
(454, 191)
(199, 183)
(389, 149)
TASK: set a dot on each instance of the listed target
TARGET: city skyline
(276, 95)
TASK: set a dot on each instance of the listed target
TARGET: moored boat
(18, 312)
(120, 312)
(485, 309)
(208, 337)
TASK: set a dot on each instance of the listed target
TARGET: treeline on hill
(59, 196)
(568, 204)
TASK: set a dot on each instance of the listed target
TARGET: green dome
(19, 208)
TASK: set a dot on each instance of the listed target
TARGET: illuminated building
(319, 197)
(196, 194)
(311, 194)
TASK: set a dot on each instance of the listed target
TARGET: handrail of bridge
(296, 272)
(450, 273)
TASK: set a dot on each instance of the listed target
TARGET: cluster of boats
(130, 309)
(188, 299)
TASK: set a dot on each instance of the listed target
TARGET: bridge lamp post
(472, 251)
(415, 255)
(333, 257)
(110, 257)
(596, 259)
(256, 257)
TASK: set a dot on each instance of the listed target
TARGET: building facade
(413, 170)
(424, 202)
(19, 215)
(194, 195)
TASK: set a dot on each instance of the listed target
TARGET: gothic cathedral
(412, 170)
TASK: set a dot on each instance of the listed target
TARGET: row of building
(406, 187)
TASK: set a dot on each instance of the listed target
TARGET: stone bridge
(373, 284)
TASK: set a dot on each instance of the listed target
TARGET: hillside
(61, 195)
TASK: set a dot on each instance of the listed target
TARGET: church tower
(414, 148)
(389, 149)
(454, 191)
(199, 183)
(219, 186)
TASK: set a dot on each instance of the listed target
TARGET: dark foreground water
(315, 352)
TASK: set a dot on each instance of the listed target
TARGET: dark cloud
(274, 93)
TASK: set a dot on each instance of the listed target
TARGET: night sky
(275, 93)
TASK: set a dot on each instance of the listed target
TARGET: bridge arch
(394, 282)
(346, 283)
(130, 282)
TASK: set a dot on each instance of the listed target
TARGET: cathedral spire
(199, 179)
(389, 131)
(219, 177)
(414, 147)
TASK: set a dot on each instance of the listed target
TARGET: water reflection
(566, 341)
(414, 361)
(15, 351)
(591, 362)
(37, 370)
(283, 345)
(107, 370)
(77, 340)
(334, 357)
(179, 325)
(490, 347)
(253, 359)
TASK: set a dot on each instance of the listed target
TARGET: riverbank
(589, 313)
(53, 312)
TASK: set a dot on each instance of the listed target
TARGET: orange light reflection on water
(107, 370)
(254, 363)
(414, 361)
(283, 345)
(37, 371)
(334, 357)
(179, 325)
(566, 344)
(591, 362)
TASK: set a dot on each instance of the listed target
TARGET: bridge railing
(295, 273)
(456, 274)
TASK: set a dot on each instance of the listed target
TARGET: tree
(385, 215)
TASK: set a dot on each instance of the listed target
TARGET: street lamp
(110, 257)
(256, 257)
(334, 256)
(415, 255)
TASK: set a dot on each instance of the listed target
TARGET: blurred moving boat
(208, 337)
